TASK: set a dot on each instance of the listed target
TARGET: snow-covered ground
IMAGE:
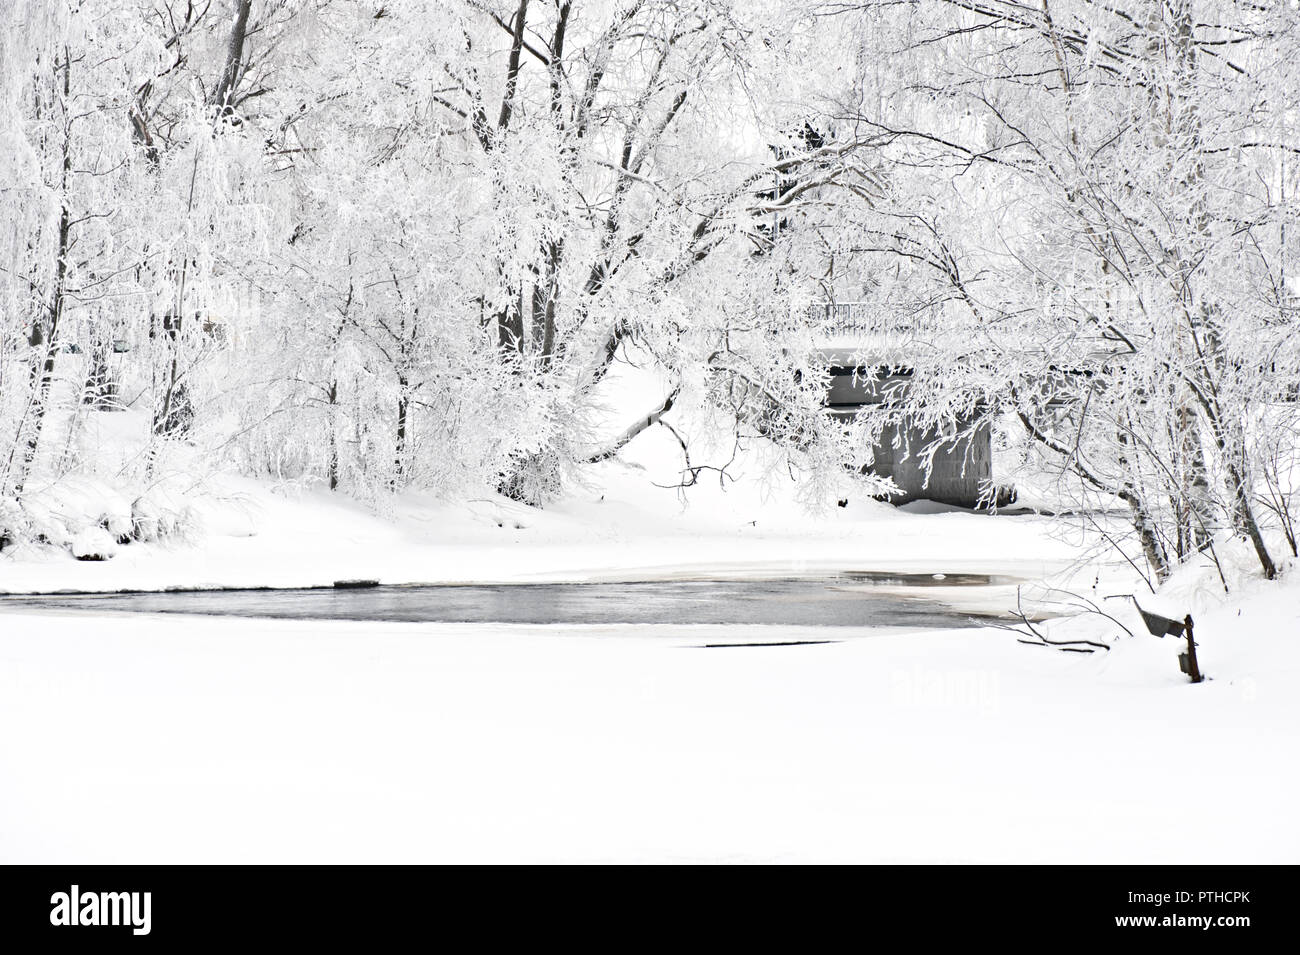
(217, 740)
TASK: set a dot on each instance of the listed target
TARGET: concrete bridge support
(961, 474)
(962, 470)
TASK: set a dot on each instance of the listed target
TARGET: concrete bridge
(870, 362)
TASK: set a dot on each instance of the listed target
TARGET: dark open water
(844, 600)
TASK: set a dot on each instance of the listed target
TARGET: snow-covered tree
(1093, 206)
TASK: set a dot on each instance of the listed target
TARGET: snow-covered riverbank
(620, 527)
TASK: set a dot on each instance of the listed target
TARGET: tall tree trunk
(1237, 472)
(1230, 440)
(223, 93)
(1143, 523)
(164, 422)
(545, 294)
(332, 460)
(403, 414)
(510, 326)
(45, 377)
(1193, 502)
(513, 65)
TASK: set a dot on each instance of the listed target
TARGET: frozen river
(844, 600)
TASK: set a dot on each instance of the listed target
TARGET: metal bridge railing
(868, 321)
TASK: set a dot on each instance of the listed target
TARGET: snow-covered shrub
(76, 512)
(161, 513)
(14, 524)
(93, 543)
(92, 519)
